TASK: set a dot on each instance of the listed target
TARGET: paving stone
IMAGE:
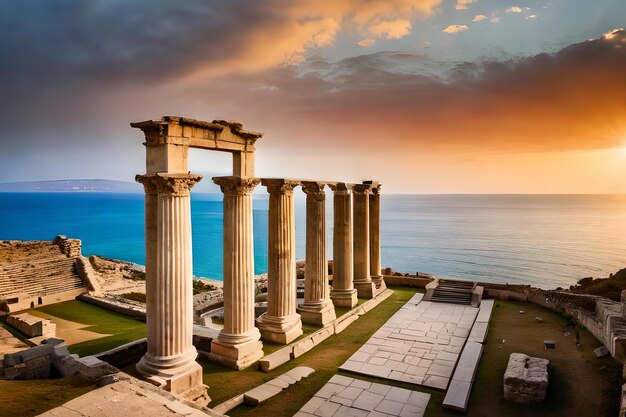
(313, 404)
(328, 409)
(350, 393)
(341, 400)
(329, 390)
(398, 394)
(350, 412)
(368, 400)
(389, 407)
(436, 381)
(418, 399)
(358, 383)
(380, 389)
(410, 411)
(352, 366)
(341, 380)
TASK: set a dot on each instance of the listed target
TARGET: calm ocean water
(543, 240)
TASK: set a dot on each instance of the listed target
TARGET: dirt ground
(579, 383)
(69, 331)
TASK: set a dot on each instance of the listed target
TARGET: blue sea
(542, 240)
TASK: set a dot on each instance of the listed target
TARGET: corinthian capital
(341, 188)
(314, 190)
(279, 185)
(236, 185)
(177, 185)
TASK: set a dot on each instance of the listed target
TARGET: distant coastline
(72, 185)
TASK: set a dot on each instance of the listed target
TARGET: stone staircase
(454, 292)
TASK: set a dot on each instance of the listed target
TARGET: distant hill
(71, 186)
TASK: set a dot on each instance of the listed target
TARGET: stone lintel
(233, 185)
(217, 135)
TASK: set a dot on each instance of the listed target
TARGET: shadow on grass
(122, 329)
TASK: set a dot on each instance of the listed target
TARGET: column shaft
(170, 358)
(281, 323)
(317, 307)
(374, 228)
(343, 293)
(362, 279)
(238, 344)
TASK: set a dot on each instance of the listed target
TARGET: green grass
(33, 397)
(123, 329)
(325, 359)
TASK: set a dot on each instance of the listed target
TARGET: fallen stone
(526, 379)
(601, 351)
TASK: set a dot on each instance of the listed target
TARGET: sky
(425, 96)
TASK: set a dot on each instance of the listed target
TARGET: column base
(344, 298)
(282, 330)
(379, 282)
(173, 375)
(236, 351)
(365, 289)
(319, 314)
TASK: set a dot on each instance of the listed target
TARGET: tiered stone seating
(37, 269)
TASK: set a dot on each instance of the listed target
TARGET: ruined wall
(32, 326)
(601, 316)
(70, 247)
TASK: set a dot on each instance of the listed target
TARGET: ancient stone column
(374, 219)
(170, 359)
(317, 307)
(343, 293)
(362, 279)
(281, 323)
(238, 344)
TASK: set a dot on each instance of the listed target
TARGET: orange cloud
(462, 4)
(454, 29)
(479, 17)
(566, 101)
(308, 24)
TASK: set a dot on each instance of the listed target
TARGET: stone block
(274, 360)
(525, 379)
(344, 321)
(457, 396)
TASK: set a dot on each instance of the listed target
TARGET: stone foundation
(32, 326)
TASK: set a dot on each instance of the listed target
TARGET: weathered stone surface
(269, 389)
(526, 379)
(343, 396)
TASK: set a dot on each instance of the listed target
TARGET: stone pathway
(420, 344)
(343, 396)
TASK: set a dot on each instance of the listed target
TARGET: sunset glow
(428, 96)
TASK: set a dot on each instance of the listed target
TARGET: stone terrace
(420, 344)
